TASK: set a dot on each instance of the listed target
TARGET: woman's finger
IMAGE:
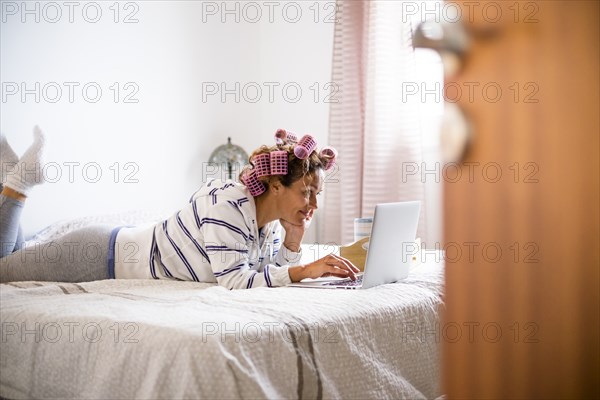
(339, 262)
(340, 273)
(284, 222)
(354, 267)
(347, 263)
(337, 268)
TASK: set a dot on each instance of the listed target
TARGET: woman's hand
(295, 233)
(330, 265)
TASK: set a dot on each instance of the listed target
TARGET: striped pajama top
(214, 238)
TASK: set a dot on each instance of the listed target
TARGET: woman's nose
(313, 202)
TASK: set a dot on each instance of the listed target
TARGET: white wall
(168, 134)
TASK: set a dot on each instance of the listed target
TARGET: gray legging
(77, 256)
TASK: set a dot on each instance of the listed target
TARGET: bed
(117, 339)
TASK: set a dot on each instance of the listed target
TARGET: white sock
(8, 158)
(28, 172)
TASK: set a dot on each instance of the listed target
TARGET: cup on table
(362, 228)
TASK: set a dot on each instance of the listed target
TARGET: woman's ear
(275, 186)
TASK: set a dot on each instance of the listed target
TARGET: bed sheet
(164, 339)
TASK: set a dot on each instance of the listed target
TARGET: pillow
(60, 228)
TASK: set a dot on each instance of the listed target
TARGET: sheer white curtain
(374, 125)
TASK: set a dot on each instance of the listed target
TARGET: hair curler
(282, 136)
(255, 187)
(279, 162)
(305, 146)
(330, 154)
(262, 164)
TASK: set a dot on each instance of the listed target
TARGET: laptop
(393, 232)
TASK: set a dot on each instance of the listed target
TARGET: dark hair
(297, 168)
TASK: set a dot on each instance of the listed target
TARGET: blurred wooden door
(521, 224)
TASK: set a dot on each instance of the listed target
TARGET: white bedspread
(119, 339)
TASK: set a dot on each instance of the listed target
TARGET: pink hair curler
(330, 154)
(305, 146)
(255, 187)
(292, 138)
(279, 162)
(262, 164)
(281, 136)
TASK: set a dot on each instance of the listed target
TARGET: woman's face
(299, 200)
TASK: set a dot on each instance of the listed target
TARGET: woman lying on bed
(229, 233)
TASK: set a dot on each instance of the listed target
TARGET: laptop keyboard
(346, 282)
